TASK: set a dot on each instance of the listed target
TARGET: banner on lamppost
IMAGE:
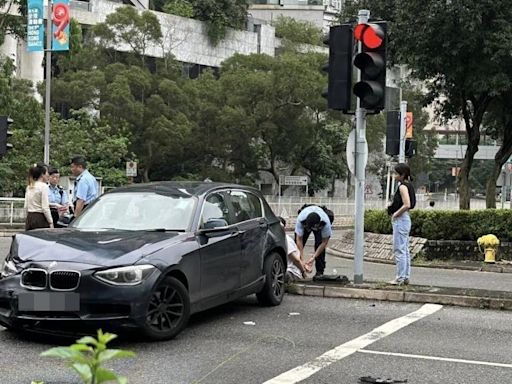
(35, 26)
(409, 120)
(60, 25)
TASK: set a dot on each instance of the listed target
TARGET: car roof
(193, 188)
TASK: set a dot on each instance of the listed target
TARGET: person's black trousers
(320, 260)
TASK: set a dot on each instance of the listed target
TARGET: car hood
(100, 248)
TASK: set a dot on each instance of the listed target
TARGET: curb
(400, 296)
(484, 268)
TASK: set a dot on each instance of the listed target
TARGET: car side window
(246, 206)
(216, 207)
(255, 203)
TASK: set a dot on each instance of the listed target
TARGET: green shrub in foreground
(87, 357)
(447, 225)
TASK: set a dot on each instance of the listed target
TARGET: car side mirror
(215, 223)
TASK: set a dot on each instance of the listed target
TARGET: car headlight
(131, 275)
(8, 268)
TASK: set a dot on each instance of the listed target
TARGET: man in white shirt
(296, 268)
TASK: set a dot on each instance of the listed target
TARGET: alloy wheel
(166, 308)
(277, 278)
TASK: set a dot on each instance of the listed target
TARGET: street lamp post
(48, 83)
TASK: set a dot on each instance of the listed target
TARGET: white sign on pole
(293, 180)
(351, 152)
(131, 169)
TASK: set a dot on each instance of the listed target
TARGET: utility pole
(403, 115)
(48, 83)
(360, 165)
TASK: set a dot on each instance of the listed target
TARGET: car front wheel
(168, 310)
(273, 291)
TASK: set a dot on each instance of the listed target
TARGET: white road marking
(302, 372)
(425, 357)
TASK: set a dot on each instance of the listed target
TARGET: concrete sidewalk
(432, 284)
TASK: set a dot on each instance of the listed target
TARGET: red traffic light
(371, 35)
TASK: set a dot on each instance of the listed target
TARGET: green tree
(425, 140)
(179, 7)
(479, 37)
(126, 26)
(275, 100)
(105, 147)
(461, 51)
(220, 15)
(295, 31)
(10, 22)
(498, 123)
(17, 101)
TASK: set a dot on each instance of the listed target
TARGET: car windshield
(138, 211)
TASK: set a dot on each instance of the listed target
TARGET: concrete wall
(313, 14)
(446, 151)
(185, 38)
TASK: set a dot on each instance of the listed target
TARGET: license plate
(49, 301)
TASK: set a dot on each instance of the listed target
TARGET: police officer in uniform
(57, 196)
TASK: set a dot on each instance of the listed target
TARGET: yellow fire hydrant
(490, 243)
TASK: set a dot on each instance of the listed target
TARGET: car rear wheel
(273, 291)
(168, 310)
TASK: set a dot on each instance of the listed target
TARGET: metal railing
(12, 211)
(287, 206)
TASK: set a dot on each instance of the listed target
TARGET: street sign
(293, 180)
(351, 152)
(131, 169)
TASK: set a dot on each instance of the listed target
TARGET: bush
(447, 225)
(301, 32)
(87, 357)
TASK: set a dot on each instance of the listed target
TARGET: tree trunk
(500, 159)
(490, 190)
(473, 119)
(464, 187)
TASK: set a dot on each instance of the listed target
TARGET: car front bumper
(94, 303)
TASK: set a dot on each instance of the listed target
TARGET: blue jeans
(401, 230)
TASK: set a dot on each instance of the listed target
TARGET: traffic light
(339, 69)
(371, 90)
(410, 148)
(393, 133)
(5, 134)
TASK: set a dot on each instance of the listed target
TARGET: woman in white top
(36, 199)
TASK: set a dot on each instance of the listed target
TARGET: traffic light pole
(360, 165)
(48, 83)
(403, 115)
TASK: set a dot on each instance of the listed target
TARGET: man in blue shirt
(57, 196)
(86, 187)
(313, 219)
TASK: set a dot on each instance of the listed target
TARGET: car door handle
(263, 225)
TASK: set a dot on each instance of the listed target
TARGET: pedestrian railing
(287, 206)
(12, 211)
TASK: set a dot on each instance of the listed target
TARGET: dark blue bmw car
(145, 256)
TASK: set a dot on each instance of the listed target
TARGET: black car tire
(168, 310)
(272, 292)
